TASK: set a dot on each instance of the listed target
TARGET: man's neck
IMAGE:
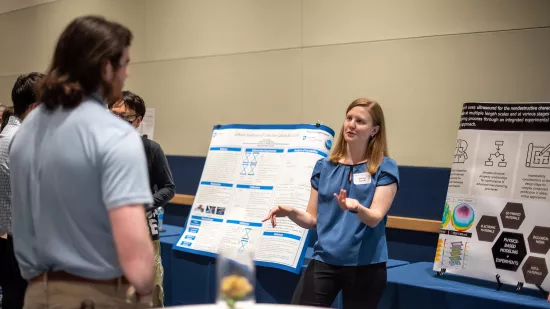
(21, 117)
(26, 113)
(100, 92)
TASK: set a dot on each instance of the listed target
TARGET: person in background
(351, 193)
(6, 114)
(2, 109)
(5, 235)
(131, 108)
(24, 100)
(79, 180)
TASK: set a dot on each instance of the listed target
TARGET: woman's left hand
(347, 203)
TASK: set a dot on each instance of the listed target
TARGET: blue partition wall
(421, 195)
(191, 278)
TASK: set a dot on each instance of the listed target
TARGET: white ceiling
(13, 5)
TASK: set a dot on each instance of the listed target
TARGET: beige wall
(287, 61)
(13, 5)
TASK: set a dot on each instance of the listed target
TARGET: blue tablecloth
(417, 286)
(171, 230)
(395, 263)
(166, 243)
(191, 279)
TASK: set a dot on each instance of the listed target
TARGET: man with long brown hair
(79, 179)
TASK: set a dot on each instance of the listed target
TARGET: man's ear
(138, 121)
(33, 106)
(107, 71)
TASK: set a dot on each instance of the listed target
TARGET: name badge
(361, 178)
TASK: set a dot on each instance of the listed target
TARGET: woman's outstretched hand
(346, 203)
(279, 211)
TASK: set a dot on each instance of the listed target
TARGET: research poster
(147, 126)
(496, 220)
(249, 170)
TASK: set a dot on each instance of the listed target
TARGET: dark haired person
(24, 100)
(2, 110)
(6, 114)
(131, 108)
(79, 180)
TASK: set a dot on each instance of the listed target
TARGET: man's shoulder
(89, 122)
(8, 132)
(96, 113)
(91, 116)
(88, 114)
(6, 139)
(150, 144)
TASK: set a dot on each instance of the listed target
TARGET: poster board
(496, 221)
(249, 170)
(147, 126)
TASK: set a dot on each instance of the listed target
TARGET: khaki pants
(77, 295)
(158, 290)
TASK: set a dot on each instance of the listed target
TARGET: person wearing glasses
(131, 108)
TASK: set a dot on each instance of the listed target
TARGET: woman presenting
(351, 194)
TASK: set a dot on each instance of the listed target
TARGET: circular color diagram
(463, 217)
(328, 144)
(446, 216)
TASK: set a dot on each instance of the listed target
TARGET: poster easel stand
(499, 286)
(519, 286)
(544, 293)
(317, 124)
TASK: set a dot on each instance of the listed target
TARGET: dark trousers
(361, 286)
(13, 285)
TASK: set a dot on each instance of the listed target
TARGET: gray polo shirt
(68, 169)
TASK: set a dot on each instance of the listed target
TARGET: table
(191, 279)
(171, 230)
(168, 238)
(255, 306)
(166, 243)
(417, 286)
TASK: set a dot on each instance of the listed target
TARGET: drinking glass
(236, 278)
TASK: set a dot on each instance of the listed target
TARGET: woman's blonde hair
(377, 146)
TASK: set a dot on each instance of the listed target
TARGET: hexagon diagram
(539, 240)
(535, 270)
(509, 251)
(487, 228)
(512, 216)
